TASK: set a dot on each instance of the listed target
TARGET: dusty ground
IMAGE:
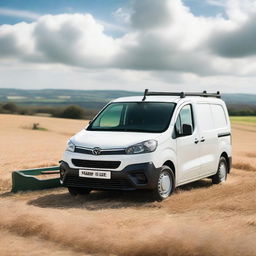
(199, 219)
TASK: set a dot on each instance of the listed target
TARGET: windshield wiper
(122, 130)
(138, 130)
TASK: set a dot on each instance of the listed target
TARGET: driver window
(112, 119)
(185, 117)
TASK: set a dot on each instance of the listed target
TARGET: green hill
(92, 99)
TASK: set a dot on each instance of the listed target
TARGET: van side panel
(208, 139)
(223, 128)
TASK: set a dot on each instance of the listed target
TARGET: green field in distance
(243, 119)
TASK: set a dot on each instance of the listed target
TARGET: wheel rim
(222, 172)
(164, 184)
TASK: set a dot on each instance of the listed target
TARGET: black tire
(78, 191)
(158, 193)
(221, 175)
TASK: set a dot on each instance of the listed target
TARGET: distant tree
(10, 107)
(73, 112)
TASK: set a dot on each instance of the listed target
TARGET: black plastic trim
(102, 152)
(120, 180)
(96, 164)
(224, 134)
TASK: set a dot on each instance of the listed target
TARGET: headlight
(70, 146)
(143, 147)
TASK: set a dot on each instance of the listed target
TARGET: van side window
(205, 117)
(185, 117)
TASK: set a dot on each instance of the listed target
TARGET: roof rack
(181, 94)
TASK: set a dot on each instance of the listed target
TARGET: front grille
(96, 164)
(103, 152)
(74, 181)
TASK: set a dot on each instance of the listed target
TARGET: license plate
(95, 174)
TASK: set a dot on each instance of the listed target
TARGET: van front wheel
(165, 184)
(222, 172)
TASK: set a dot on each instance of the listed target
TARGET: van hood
(110, 140)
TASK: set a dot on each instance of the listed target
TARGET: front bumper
(132, 177)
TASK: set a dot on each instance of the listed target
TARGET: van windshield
(134, 117)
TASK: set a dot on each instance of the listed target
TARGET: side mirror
(187, 130)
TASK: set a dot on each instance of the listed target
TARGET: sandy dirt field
(198, 219)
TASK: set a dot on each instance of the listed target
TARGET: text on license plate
(94, 174)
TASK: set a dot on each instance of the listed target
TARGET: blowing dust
(129, 231)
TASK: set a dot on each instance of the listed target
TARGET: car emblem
(96, 151)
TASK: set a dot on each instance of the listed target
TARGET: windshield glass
(134, 117)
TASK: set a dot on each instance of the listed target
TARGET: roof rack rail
(181, 94)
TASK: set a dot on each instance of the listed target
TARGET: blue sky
(202, 7)
(128, 44)
(101, 9)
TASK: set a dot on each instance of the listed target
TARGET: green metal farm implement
(29, 179)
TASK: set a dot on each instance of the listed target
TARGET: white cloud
(123, 15)
(164, 36)
(112, 27)
(69, 39)
(236, 43)
(240, 10)
(74, 40)
(19, 13)
(16, 40)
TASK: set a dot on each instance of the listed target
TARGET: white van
(156, 142)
